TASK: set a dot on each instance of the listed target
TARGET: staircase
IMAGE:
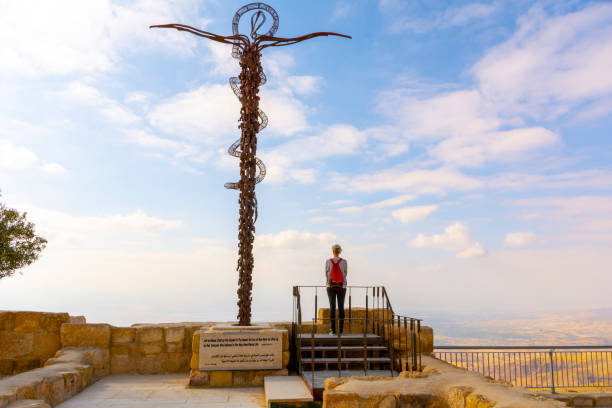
(349, 352)
(376, 341)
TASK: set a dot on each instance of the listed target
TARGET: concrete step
(286, 389)
(306, 349)
(373, 360)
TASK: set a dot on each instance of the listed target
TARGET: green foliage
(19, 245)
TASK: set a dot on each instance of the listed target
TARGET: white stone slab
(241, 349)
(286, 389)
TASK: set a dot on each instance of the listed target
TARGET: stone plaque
(241, 350)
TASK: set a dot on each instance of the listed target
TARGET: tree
(19, 245)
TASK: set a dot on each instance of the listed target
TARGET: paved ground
(161, 391)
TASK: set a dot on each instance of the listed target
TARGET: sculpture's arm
(232, 39)
(279, 42)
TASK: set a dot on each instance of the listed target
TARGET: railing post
(419, 344)
(365, 351)
(312, 353)
(552, 373)
(365, 322)
(350, 314)
(316, 315)
(339, 354)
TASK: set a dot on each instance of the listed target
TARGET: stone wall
(440, 385)
(28, 339)
(139, 349)
(63, 376)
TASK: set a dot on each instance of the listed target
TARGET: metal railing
(400, 334)
(536, 367)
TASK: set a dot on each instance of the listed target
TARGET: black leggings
(333, 295)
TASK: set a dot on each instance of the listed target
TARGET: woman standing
(335, 274)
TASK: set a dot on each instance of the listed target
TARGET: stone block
(343, 399)
(195, 361)
(77, 320)
(285, 340)
(175, 334)
(220, 379)
(151, 349)
(27, 322)
(130, 350)
(22, 365)
(427, 339)
(455, 396)
(121, 364)
(85, 335)
(198, 378)
(45, 345)
(150, 334)
(603, 401)
(6, 320)
(244, 378)
(99, 360)
(15, 345)
(333, 382)
(52, 322)
(123, 335)
(175, 347)
(151, 364)
(583, 401)
(421, 400)
(177, 363)
(7, 366)
(478, 401)
(195, 344)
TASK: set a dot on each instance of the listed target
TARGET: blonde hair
(336, 249)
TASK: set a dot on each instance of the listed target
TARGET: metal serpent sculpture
(252, 120)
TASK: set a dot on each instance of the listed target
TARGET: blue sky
(459, 153)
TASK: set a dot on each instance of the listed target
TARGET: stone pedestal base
(234, 378)
(248, 377)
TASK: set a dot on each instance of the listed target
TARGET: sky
(460, 153)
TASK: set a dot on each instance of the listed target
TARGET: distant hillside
(591, 327)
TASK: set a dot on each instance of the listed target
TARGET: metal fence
(536, 367)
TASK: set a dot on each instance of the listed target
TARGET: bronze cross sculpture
(252, 120)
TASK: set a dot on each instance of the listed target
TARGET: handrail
(536, 367)
(381, 322)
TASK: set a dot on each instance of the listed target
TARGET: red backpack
(336, 279)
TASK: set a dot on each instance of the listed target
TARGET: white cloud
(457, 238)
(551, 64)
(110, 109)
(415, 182)
(15, 157)
(53, 168)
(403, 15)
(336, 140)
(65, 230)
(323, 219)
(390, 202)
(416, 213)
(342, 11)
(292, 239)
(520, 239)
(502, 146)
(598, 179)
(589, 214)
(61, 38)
